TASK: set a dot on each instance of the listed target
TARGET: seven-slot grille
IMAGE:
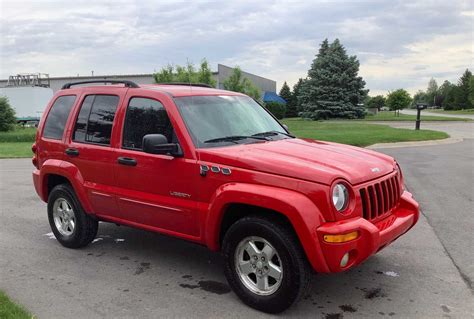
(380, 198)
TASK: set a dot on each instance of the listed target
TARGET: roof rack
(127, 83)
(203, 85)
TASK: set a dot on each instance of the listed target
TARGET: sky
(400, 44)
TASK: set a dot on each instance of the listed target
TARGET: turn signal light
(341, 238)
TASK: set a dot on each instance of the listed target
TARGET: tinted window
(145, 116)
(80, 129)
(57, 117)
(94, 123)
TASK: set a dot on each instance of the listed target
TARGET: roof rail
(188, 84)
(127, 83)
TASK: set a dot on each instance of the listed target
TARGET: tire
(72, 227)
(276, 294)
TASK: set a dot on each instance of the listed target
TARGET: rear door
(157, 191)
(89, 146)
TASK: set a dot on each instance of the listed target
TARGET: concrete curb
(450, 140)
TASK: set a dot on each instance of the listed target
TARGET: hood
(311, 160)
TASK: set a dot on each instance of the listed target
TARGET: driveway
(427, 112)
(129, 273)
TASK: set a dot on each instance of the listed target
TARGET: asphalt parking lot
(129, 273)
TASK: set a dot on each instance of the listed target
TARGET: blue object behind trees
(273, 97)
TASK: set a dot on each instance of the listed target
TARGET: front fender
(303, 214)
(66, 170)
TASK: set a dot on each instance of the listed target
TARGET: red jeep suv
(216, 168)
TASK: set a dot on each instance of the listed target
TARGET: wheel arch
(55, 172)
(234, 201)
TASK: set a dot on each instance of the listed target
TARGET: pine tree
(285, 93)
(432, 92)
(462, 93)
(333, 88)
(296, 94)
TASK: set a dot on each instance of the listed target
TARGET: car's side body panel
(173, 195)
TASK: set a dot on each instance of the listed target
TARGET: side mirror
(286, 127)
(158, 144)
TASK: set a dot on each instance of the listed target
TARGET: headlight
(340, 197)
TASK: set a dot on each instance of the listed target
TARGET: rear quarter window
(57, 117)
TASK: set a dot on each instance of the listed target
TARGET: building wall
(223, 72)
(264, 84)
(28, 101)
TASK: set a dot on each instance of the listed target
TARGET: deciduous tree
(419, 97)
(7, 115)
(398, 100)
(186, 74)
(376, 101)
(238, 83)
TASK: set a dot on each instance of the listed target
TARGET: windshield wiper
(235, 138)
(272, 133)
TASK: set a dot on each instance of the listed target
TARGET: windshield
(225, 120)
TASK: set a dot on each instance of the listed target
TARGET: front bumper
(372, 236)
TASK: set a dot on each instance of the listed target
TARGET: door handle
(72, 152)
(127, 161)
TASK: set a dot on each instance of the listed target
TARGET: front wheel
(265, 264)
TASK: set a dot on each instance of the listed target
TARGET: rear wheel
(72, 227)
(265, 264)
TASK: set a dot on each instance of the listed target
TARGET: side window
(94, 122)
(145, 116)
(57, 117)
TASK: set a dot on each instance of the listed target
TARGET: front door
(154, 191)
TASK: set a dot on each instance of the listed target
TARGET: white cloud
(399, 44)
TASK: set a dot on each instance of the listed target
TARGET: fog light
(341, 238)
(344, 260)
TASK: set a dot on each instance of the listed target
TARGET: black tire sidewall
(289, 290)
(66, 192)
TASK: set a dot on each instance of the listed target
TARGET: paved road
(442, 178)
(129, 273)
(427, 112)
(453, 128)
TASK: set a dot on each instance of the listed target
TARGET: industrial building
(17, 87)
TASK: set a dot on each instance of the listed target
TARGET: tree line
(449, 96)
(333, 89)
(203, 75)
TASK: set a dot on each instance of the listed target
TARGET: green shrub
(7, 115)
(277, 109)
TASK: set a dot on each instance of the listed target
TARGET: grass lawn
(17, 143)
(356, 133)
(10, 310)
(19, 134)
(15, 150)
(390, 116)
(466, 111)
